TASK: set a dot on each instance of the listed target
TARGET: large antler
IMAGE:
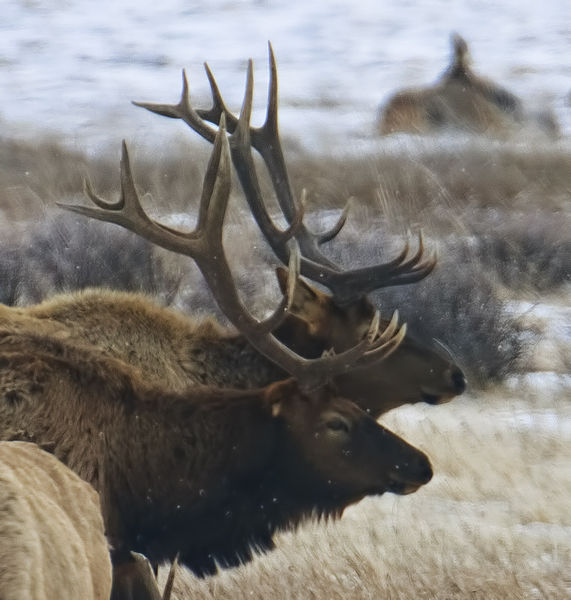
(345, 285)
(204, 245)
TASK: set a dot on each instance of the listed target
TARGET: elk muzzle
(457, 385)
(408, 475)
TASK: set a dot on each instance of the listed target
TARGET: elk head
(412, 373)
(337, 448)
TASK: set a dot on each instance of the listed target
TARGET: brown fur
(210, 473)
(176, 351)
(463, 100)
(52, 544)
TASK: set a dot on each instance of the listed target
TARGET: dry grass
(426, 179)
(494, 523)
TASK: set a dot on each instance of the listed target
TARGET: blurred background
(494, 523)
(73, 66)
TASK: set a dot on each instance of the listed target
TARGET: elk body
(177, 351)
(52, 544)
(209, 473)
(461, 100)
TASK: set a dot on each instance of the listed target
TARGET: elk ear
(305, 296)
(277, 394)
(460, 51)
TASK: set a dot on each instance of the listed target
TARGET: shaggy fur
(210, 473)
(52, 544)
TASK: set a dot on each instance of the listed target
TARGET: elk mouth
(433, 398)
(457, 386)
(403, 488)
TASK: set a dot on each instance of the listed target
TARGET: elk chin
(407, 485)
(402, 488)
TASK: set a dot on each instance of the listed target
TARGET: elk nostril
(459, 381)
(425, 471)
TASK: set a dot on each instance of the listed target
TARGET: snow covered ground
(74, 66)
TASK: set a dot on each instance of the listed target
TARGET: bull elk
(52, 543)
(177, 351)
(461, 100)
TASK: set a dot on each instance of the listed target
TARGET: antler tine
(97, 200)
(350, 285)
(414, 262)
(271, 122)
(218, 107)
(383, 351)
(242, 129)
(241, 146)
(278, 316)
(215, 193)
(390, 329)
(266, 141)
(183, 111)
(125, 211)
(327, 236)
(129, 213)
(365, 353)
(381, 346)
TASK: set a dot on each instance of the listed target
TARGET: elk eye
(338, 424)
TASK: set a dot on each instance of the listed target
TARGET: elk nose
(458, 381)
(424, 470)
(418, 473)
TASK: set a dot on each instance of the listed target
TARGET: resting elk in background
(177, 351)
(52, 544)
(461, 100)
(210, 473)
